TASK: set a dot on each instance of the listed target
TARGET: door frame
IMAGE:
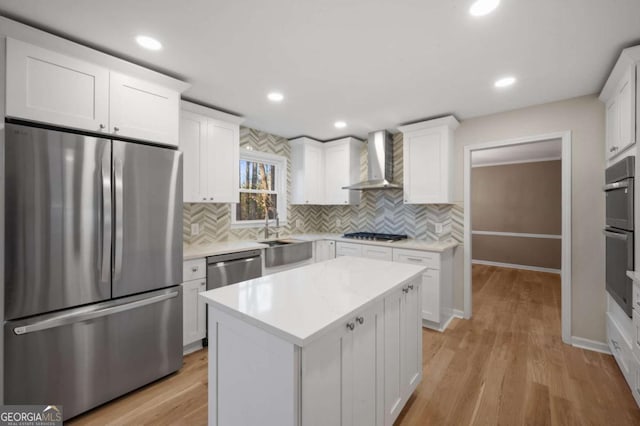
(565, 274)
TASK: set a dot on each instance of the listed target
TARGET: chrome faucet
(266, 223)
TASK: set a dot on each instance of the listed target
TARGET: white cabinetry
(341, 168)
(348, 249)
(325, 250)
(211, 155)
(403, 349)
(343, 373)
(320, 170)
(620, 95)
(307, 170)
(193, 307)
(377, 252)
(428, 161)
(143, 110)
(49, 87)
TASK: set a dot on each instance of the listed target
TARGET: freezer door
(83, 357)
(57, 220)
(147, 252)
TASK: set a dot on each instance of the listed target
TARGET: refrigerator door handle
(119, 199)
(105, 212)
(65, 319)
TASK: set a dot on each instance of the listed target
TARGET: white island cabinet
(332, 343)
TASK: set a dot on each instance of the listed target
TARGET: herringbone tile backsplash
(379, 211)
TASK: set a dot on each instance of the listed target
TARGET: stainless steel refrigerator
(93, 263)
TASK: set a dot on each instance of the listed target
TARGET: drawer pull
(415, 259)
(351, 325)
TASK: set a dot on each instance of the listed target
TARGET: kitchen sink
(287, 251)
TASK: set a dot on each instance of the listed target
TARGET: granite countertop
(199, 251)
(301, 304)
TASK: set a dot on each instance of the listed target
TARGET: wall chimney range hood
(380, 163)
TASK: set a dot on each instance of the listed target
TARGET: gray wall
(517, 198)
(584, 117)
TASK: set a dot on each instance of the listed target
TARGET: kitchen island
(332, 343)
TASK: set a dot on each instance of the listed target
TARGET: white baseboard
(192, 347)
(514, 266)
(458, 313)
(591, 345)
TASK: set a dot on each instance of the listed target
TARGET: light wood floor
(507, 365)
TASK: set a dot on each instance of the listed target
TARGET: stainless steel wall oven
(619, 193)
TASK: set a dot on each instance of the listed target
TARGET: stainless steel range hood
(380, 163)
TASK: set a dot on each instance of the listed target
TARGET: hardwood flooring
(507, 365)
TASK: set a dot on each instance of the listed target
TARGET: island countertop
(301, 304)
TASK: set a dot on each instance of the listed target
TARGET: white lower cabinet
(437, 281)
(194, 326)
(342, 373)
(377, 252)
(194, 275)
(325, 250)
(402, 348)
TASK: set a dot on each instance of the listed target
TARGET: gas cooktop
(373, 236)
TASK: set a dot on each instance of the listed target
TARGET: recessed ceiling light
(504, 82)
(275, 97)
(148, 42)
(340, 124)
(483, 7)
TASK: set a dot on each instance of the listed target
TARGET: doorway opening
(537, 240)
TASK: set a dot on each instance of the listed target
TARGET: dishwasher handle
(250, 254)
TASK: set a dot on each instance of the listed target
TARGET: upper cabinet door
(428, 161)
(613, 127)
(48, 87)
(221, 162)
(143, 110)
(336, 174)
(193, 132)
(627, 109)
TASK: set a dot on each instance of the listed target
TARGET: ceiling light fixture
(504, 82)
(340, 124)
(148, 42)
(483, 7)
(275, 97)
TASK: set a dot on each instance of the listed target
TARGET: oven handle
(616, 185)
(617, 236)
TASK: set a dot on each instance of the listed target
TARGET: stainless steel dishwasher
(226, 269)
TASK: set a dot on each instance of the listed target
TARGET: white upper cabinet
(428, 161)
(620, 95)
(48, 87)
(210, 144)
(307, 171)
(320, 170)
(341, 168)
(143, 110)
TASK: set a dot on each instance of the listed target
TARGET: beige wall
(519, 198)
(584, 117)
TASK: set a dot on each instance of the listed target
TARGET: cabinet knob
(410, 286)
(405, 290)
(116, 129)
(194, 269)
(101, 126)
(351, 326)
(345, 202)
(204, 198)
(360, 320)
(211, 198)
(307, 201)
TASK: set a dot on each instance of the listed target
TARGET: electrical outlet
(438, 228)
(299, 223)
(338, 223)
(195, 229)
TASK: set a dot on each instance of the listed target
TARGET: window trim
(281, 186)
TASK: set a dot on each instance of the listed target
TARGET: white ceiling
(530, 152)
(372, 63)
